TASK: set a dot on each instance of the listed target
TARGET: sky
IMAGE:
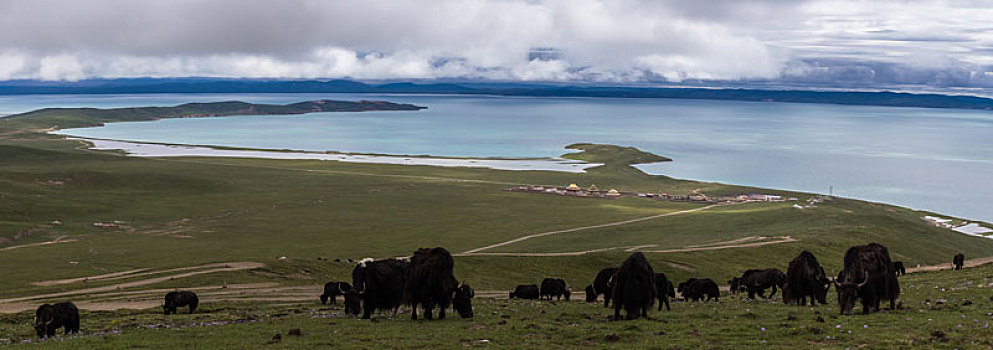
(814, 42)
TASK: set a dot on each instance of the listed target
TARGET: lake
(933, 159)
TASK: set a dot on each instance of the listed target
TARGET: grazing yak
(694, 289)
(525, 291)
(554, 287)
(377, 285)
(332, 290)
(805, 278)
(353, 303)
(958, 261)
(178, 299)
(462, 302)
(756, 281)
(664, 290)
(898, 268)
(634, 287)
(868, 275)
(734, 285)
(431, 282)
(601, 285)
(50, 317)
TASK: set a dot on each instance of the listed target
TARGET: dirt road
(747, 242)
(948, 266)
(210, 268)
(581, 228)
(62, 239)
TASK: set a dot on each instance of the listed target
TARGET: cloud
(592, 40)
(368, 39)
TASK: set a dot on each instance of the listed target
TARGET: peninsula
(64, 118)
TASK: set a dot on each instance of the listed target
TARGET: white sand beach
(158, 150)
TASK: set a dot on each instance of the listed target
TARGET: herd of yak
(427, 280)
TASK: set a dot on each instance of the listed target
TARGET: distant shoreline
(164, 86)
(48, 119)
(286, 150)
(144, 149)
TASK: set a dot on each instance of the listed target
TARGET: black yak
(332, 290)
(868, 275)
(178, 299)
(554, 287)
(664, 290)
(805, 278)
(694, 289)
(525, 291)
(50, 317)
(634, 287)
(756, 281)
(431, 282)
(898, 268)
(462, 301)
(353, 302)
(601, 285)
(734, 285)
(958, 261)
(378, 285)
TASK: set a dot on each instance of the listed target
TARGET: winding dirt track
(235, 266)
(58, 240)
(121, 274)
(948, 266)
(574, 229)
(210, 268)
(747, 242)
(738, 243)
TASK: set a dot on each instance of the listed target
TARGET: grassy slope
(257, 210)
(733, 323)
(84, 117)
(250, 209)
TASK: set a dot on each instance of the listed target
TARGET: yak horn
(865, 279)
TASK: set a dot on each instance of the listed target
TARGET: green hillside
(65, 118)
(185, 211)
(69, 212)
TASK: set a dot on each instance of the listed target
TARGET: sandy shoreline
(158, 150)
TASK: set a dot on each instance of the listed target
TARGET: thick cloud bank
(821, 41)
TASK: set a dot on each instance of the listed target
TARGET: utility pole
(831, 191)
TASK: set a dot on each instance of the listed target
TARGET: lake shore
(136, 149)
(800, 147)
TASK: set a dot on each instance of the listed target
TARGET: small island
(64, 118)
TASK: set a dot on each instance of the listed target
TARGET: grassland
(181, 212)
(943, 310)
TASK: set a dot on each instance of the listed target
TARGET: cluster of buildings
(571, 190)
(594, 192)
(112, 224)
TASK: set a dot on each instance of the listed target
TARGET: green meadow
(941, 310)
(304, 219)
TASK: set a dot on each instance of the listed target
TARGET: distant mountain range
(208, 85)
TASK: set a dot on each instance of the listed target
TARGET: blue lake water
(934, 159)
